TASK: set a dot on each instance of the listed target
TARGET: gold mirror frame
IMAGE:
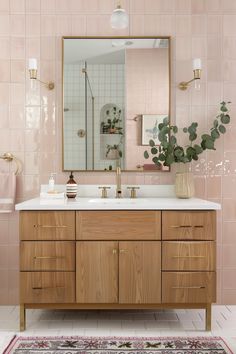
(113, 37)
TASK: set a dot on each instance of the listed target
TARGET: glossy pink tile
(78, 25)
(4, 93)
(198, 7)
(3, 257)
(4, 6)
(183, 6)
(48, 6)
(229, 25)
(4, 231)
(32, 6)
(4, 114)
(229, 229)
(5, 48)
(13, 286)
(18, 71)
(17, 91)
(213, 6)
(48, 25)
(17, 6)
(4, 25)
(17, 116)
(33, 25)
(18, 48)
(182, 25)
(214, 186)
(199, 23)
(5, 70)
(228, 6)
(214, 25)
(17, 25)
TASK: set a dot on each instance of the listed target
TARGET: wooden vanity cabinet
(124, 259)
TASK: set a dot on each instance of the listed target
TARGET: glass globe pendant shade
(119, 18)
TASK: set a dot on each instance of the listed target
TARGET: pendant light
(119, 18)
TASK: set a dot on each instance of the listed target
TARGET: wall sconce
(33, 74)
(197, 68)
(119, 18)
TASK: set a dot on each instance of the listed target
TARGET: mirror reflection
(115, 93)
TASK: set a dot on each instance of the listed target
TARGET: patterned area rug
(117, 345)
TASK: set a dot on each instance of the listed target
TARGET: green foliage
(169, 151)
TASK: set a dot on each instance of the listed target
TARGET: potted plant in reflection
(113, 152)
(113, 120)
(169, 151)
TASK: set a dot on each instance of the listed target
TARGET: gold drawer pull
(180, 226)
(114, 251)
(50, 226)
(186, 226)
(188, 287)
(123, 251)
(47, 257)
(188, 257)
(49, 287)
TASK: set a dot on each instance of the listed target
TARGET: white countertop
(140, 203)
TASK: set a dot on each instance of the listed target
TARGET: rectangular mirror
(115, 93)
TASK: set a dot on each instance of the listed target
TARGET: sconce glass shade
(119, 18)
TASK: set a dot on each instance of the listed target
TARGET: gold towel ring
(8, 156)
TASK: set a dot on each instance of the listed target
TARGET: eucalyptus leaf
(154, 150)
(225, 119)
(215, 134)
(146, 154)
(185, 130)
(222, 129)
(151, 142)
(175, 129)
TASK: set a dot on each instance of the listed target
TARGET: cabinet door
(97, 272)
(139, 272)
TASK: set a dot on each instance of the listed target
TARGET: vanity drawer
(188, 287)
(47, 287)
(47, 255)
(188, 256)
(47, 225)
(188, 225)
(118, 225)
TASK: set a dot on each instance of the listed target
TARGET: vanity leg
(22, 317)
(208, 317)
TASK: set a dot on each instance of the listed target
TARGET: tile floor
(120, 323)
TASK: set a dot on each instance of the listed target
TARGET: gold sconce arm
(196, 76)
(33, 76)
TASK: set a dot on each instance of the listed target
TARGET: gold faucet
(118, 182)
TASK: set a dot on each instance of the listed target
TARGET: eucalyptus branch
(169, 151)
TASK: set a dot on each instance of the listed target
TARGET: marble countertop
(140, 203)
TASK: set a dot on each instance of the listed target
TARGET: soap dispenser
(51, 183)
(71, 187)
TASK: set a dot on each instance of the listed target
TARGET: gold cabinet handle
(123, 251)
(188, 287)
(47, 257)
(50, 226)
(188, 257)
(114, 251)
(49, 287)
(186, 226)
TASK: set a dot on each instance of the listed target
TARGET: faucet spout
(118, 183)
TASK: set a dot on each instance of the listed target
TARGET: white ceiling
(105, 51)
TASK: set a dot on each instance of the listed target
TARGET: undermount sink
(117, 200)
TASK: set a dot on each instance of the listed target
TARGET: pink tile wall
(30, 118)
(147, 92)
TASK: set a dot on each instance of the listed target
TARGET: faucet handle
(104, 191)
(133, 191)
